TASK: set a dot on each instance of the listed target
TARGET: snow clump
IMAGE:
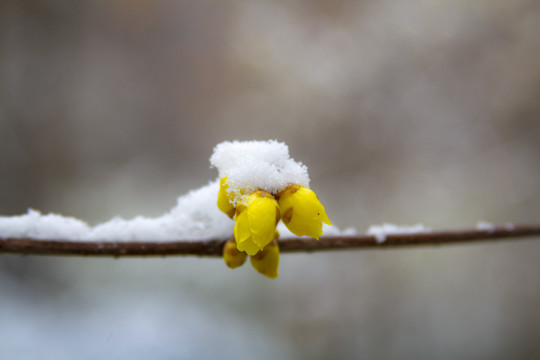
(254, 165)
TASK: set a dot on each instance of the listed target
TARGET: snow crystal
(484, 225)
(252, 165)
(381, 231)
(195, 217)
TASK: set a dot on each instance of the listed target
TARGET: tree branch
(215, 247)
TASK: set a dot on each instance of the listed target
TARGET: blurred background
(404, 112)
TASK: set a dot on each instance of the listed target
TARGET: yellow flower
(232, 256)
(302, 212)
(256, 220)
(266, 261)
(224, 202)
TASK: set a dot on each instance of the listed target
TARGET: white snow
(248, 165)
(381, 231)
(328, 230)
(484, 225)
(195, 217)
(252, 165)
(35, 225)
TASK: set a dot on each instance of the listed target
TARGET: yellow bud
(266, 261)
(301, 211)
(232, 256)
(256, 219)
(224, 202)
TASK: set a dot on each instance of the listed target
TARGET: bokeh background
(404, 111)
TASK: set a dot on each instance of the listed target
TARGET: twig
(214, 247)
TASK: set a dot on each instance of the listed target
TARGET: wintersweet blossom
(256, 219)
(257, 216)
(266, 261)
(232, 256)
(260, 184)
(301, 211)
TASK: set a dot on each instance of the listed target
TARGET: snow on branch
(259, 186)
(214, 248)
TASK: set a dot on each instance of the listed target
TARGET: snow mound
(195, 217)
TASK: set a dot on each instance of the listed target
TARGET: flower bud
(266, 261)
(256, 219)
(232, 256)
(301, 211)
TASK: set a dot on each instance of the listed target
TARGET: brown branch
(214, 247)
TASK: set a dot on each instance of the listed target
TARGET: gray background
(404, 112)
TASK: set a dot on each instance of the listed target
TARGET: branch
(215, 247)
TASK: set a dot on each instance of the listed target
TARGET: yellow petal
(242, 227)
(302, 212)
(232, 256)
(224, 201)
(266, 261)
(262, 214)
(242, 232)
(249, 247)
(256, 220)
